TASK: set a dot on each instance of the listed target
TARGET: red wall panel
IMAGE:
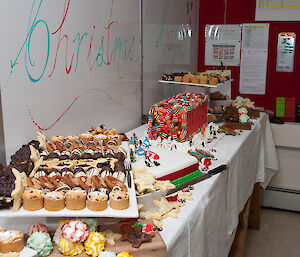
(237, 12)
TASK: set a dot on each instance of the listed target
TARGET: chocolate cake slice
(7, 185)
(21, 159)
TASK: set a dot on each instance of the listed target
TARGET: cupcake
(97, 201)
(54, 201)
(75, 200)
(32, 200)
(118, 200)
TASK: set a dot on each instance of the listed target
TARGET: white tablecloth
(206, 226)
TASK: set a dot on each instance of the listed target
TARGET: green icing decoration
(91, 223)
(244, 118)
(243, 110)
(239, 99)
(40, 242)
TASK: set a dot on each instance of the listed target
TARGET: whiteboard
(68, 65)
(170, 43)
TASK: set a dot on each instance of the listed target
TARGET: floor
(279, 235)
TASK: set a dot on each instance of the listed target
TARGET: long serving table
(207, 225)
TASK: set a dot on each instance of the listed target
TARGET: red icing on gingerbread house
(178, 117)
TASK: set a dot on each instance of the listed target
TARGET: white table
(206, 226)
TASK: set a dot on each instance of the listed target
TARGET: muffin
(75, 200)
(97, 201)
(178, 79)
(32, 200)
(118, 200)
(54, 201)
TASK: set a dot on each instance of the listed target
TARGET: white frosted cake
(173, 164)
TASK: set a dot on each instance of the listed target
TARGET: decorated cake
(178, 117)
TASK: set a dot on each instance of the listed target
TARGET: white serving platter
(193, 84)
(27, 252)
(131, 212)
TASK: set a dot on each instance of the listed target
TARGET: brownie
(21, 159)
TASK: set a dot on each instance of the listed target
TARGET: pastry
(75, 199)
(114, 182)
(99, 183)
(72, 139)
(75, 231)
(11, 241)
(85, 182)
(32, 200)
(58, 233)
(97, 201)
(92, 223)
(37, 227)
(213, 81)
(178, 79)
(118, 200)
(40, 242)
(194, 80)
(186, 79)
(203, 80)
(54, 201)
(67, 247)
(71, 180)
(94, 244)
(86, 137)
(57, 138)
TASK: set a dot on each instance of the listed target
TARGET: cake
(32, 200)
(54, 201)
(118, 200)
(178, 117)
(97, 201)
(11, 241)
(76, 199)
(7, 185)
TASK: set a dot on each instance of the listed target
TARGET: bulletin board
(68, 65)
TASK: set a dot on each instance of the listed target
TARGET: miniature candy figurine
(146, 143)
(141, 152)
(132, 156)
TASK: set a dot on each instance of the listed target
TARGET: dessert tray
(131, 212)
(194, 84)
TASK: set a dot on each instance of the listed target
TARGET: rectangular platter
(131, 212)
(193, 84)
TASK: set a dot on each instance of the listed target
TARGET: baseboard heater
(281, 198)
